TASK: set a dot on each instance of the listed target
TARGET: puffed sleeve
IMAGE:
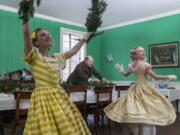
(147, 67)
(130, 67)
(31, 57)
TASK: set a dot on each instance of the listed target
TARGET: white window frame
(66, 30)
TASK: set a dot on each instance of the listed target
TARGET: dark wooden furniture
(98, 109)
(20, 113)
(119, 88)
(81, 105)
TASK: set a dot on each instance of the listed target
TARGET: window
(68, 39)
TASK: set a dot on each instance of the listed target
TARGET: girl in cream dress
(143, 106)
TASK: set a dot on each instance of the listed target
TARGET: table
(91, 96)
(7, 101)
(171, 94)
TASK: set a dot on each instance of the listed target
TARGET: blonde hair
(139, 53)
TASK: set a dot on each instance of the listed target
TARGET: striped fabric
(51, 112)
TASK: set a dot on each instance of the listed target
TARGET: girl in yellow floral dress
(143, 105)
(51, 112)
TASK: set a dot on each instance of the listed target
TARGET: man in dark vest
(83, 72)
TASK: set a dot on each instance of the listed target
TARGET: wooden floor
(173, 129)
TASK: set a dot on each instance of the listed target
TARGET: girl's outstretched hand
(119, 68)
(172, 77)
(87, 36)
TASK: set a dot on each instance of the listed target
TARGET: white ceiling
(118, 11)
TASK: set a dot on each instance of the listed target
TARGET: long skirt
(51, 112)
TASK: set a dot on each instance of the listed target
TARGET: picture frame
(164, 54)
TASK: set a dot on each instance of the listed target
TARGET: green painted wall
(94, 49)
(118, 42)
(11, 42)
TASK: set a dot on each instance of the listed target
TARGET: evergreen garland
(93, 20)
(26, 9)
(99, 85)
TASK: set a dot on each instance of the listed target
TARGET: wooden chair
(20, 113)
(121, 88)
(81, 89)
(101, 104)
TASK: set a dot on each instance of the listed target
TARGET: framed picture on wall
(164, 54)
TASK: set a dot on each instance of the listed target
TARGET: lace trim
(53, 62)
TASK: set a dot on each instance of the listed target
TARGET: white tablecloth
(91, 96)
(7, 101)
(171, 94)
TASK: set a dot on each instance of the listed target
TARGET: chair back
(121, 88)
(19, 96)
(104, 95)
(78, 94)
(78, 89)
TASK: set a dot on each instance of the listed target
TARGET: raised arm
(126, 73)
(75, 49)
(120, 69)
(27, 38)
(78, 46)
(26, 11)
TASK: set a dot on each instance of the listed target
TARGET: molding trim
(14, 10)
(173, 12)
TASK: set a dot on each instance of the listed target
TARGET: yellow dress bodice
(46, 71)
